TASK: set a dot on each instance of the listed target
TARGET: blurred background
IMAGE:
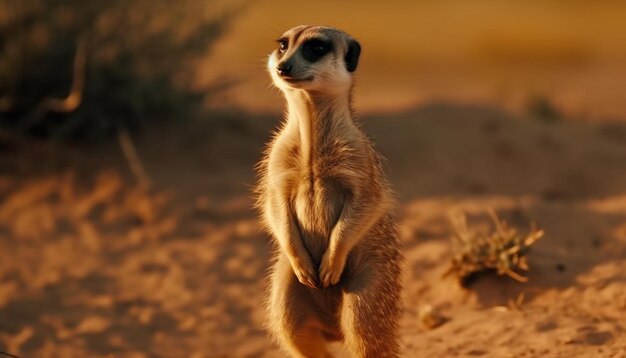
(503, 53)
(129, 130)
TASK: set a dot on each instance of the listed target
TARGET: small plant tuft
(542, 108)
(503, 251)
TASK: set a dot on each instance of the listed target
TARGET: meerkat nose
(284, 69)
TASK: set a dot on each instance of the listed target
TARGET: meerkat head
(314, 59)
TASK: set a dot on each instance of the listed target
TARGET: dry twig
(74, 97)
(132, 158)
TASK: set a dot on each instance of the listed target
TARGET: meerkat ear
(352, 56)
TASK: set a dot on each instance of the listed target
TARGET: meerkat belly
(318, 205)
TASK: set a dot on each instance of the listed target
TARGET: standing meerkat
(324, 199)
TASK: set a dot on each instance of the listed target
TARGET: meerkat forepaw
(331, 269)
(305, 272)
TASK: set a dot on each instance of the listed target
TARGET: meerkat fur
(325, 201)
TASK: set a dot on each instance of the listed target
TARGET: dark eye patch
(315, 49)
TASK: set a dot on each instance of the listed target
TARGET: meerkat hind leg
(369, 315)
(294, 315)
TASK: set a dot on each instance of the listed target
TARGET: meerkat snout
(314, 59)
(284, 69)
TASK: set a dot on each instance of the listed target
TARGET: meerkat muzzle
(284, 69)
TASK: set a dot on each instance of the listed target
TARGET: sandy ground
(92, 265)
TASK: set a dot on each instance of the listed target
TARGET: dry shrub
(503, 250)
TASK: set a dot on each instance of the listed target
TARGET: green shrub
(83, 69)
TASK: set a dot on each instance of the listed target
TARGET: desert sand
(94, 265)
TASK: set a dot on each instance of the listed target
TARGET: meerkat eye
(283, 44)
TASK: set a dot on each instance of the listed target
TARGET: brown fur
(324, 199)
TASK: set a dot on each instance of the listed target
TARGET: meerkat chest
(321, 191)
(318, 203)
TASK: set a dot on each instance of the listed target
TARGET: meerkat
(324, 199)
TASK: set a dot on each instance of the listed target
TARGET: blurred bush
(84, 69)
